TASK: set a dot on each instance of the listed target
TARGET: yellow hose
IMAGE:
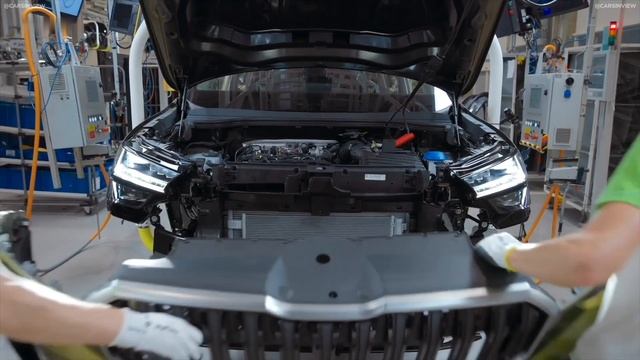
(33, 67)
(105, 173)
(556, 212)
(538, 219)
(104, 224)
(146, 236)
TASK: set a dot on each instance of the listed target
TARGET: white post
(164, 97)
(136, 92)
(495, 82)
(600, 171)
(114, 54)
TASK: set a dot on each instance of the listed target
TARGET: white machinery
(600, 69)
(74, 106)
(550, 118)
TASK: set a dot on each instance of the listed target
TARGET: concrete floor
(57, 233)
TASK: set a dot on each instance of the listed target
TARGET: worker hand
(496, 249)
(159, 333)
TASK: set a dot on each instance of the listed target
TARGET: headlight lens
(496, 178)
(142, 172)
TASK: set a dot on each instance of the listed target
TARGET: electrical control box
(551, 114)
(74, 105)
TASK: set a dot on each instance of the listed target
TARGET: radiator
(280, 225)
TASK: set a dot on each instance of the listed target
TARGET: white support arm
(136, 91)
(495, 82)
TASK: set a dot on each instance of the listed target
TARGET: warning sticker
(375, 177)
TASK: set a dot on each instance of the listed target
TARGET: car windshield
(316, 90)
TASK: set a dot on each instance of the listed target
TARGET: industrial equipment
(74, 105)
(600, 69)
(123, 16)
(551, 111)
(96, 35)
(518, 15)
(11, 49)
(605, 114)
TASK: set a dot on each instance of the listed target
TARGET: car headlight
(142, 172)
(496, 178)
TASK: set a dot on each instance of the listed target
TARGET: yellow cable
(105, 173)
(33, 67)
(104, 224)
(556, 214)
(138, 18)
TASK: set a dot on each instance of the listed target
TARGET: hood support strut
(456, 114)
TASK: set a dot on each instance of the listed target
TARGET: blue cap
(436, 156)
(567, 94)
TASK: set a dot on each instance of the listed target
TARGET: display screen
(598, 71)
(123, 15)
(535, 97)
(92, 90)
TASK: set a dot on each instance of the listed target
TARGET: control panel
(551, 111)
(74, 105)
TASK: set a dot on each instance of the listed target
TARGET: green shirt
(624, 184)
(615, 335)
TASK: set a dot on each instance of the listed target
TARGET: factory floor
(56, 233)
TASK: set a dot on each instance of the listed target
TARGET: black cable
(475, 220)
(404, 106)
(54, 267)
(120, 46)
(46, 55)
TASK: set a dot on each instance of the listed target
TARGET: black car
(317, 171)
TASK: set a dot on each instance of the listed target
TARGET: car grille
(505, 331)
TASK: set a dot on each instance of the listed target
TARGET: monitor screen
(123, 16)
(535, 98)
(66, 7)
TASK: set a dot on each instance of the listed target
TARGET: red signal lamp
(613, 32)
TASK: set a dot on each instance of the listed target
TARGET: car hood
(443, 42)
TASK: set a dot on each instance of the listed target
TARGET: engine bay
(343, 148)
(272, 183)
(326, 179)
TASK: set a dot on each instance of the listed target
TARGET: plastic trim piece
(441, 300)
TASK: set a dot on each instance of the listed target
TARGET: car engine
(289, 150)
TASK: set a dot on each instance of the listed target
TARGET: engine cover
(284, 150)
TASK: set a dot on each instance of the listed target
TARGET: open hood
(443, 42)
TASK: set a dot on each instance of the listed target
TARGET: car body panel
(328, 279)
(442, 42)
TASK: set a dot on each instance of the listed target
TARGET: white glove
(497, 247)
(159, 333)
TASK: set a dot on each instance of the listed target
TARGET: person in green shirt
(609, 244)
